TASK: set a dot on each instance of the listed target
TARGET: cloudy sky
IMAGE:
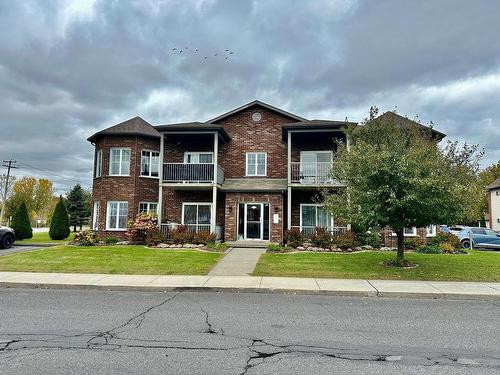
(70, 68)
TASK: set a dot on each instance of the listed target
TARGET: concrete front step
(248, 244)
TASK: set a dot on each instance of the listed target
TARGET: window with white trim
(119, 162)
(197, 216)
(256, 164)
(150, 163)
(314, 215)
(410, 232)
(430, 230)
(117, 215)
(191, 157)
(148, 207)
(95, 216)
(98, 163)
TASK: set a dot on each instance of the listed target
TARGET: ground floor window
(148, 207)
(312, 216)
(95, 216)
(431, 230)
(117, 215)
(410, 232)
(197, 216)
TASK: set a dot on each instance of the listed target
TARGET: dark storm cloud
(70, 68)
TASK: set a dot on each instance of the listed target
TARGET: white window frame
(256, 169)
(95, 215)
(108, 211)
(198, 153)
(148, 206)
(98, 164)
(197, 204)
(432, 232)
(121, 156)
(150, 163)
(314, 205)
(412, 234)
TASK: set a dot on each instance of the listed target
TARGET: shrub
(219, 247)
(412, 243)
(153, 238)
(321, 237)
(346, 240)
(446, 247)
(59, 225)
(445, 237)
(21, 223)
(144, 225)
(85, 238)
(111, 240)
(204, 237)
(276, 248)
(369, 238)
(429, 249)
(294, 237)
(181, 235)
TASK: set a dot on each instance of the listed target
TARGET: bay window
(150, 163)
(117, 215)
(119, 162)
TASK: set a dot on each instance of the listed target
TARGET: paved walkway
(238, 261)
(352, 287)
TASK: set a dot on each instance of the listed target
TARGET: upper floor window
(117, 215)
(256, 164)
(150, 163)
(119, 162)
(98, 163)
(198, 157)
(148, 207)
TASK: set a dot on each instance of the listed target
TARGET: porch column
(289, 193)
(213, 217)
(160, 175)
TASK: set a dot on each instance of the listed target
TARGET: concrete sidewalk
(351, 287)
(239, 261)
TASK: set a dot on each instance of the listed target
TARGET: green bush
(204, 237)
(346, 240)
(59, 226)
(219, 247)
(181, 235)
(145, 225)
(412, 243)
(294, 237)
(111, 240)
(321, 237)
(443, 237)
(154, 237)
(429, 249)
(370, 238)
(276, 248)
(21, 223)
(85, 238)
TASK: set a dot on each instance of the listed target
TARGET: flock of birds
(226, 54)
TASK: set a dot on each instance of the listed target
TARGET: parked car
(7, 237)
(481, 238)
(456, 229)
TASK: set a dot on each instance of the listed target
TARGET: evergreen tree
(21, 223)
(78, 207)
(59, 226)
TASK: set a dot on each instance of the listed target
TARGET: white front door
(315, 166)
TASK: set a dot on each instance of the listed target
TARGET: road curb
(345, 293)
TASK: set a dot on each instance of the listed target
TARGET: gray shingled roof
(134, 127)
(194, 127)
(494, 185)
(404, 121)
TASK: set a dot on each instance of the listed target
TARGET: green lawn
(112, 259)
(43, 237)
(477, 266)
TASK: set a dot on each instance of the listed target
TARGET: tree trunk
(400, 257)
(74, 228)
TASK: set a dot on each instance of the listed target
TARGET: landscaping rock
(122, 243)
(367, 247)
(358, 248)
(385, 248)
(301, 248)
(163, 245)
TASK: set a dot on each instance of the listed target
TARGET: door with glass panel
(315, 166)
(200, 166)
(197, 216)
(253, 222)
(312, 216)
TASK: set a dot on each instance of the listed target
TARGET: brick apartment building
(248, 174)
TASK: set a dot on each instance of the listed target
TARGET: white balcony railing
(314, 173)
(191, 173)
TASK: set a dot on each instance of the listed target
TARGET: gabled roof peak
(253, 103)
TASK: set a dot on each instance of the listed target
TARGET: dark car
(7, 237)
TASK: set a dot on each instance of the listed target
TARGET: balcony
(184, 173)
(312, 173)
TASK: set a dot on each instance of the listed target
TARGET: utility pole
(7, 164)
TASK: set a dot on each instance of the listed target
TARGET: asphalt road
(99, 332)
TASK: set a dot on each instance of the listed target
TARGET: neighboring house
(494, 205)
(250, 173)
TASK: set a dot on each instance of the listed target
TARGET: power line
(50, 173)
(7, 164)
